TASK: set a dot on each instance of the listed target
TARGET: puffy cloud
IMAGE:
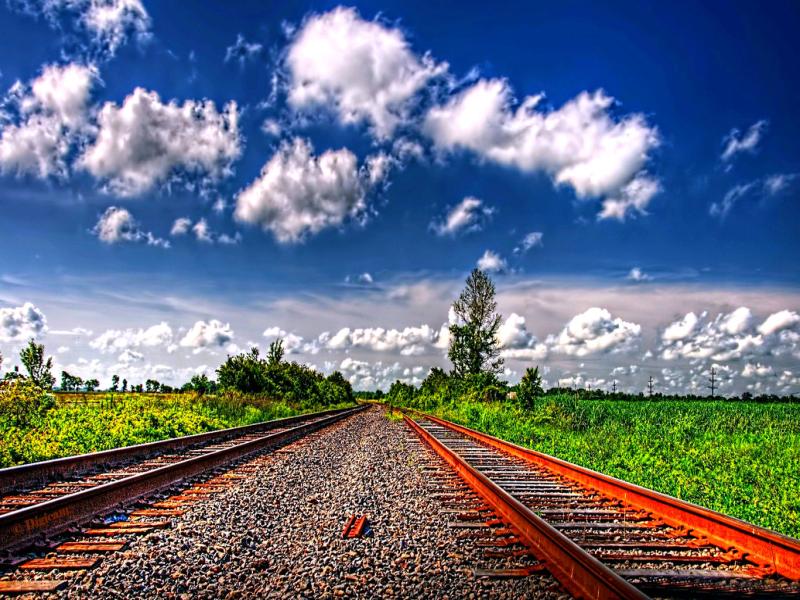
(680, 330)
(779, 321)
(595, 331)
(736, 141)
(117, 225)
(580, 144)
(364, 69)
(731, 336)
(298, 194)
(517, 342)
(19, 323)
(491, 262)
(636, 274)
(292, 343)
(633, 198)
(207, 335)
(378, 375)
(202, 232)
(118, 340)
(242, 50)
(757, 370)
(51, 116)
(531, 240)
(466, 216)
(409, 341)
(143, 142)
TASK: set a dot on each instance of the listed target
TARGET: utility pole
(614, 387)
(713, 381)
(650, 386)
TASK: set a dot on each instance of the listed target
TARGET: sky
(183, 181)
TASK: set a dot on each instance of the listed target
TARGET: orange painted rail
(580, 573)
(769, 549)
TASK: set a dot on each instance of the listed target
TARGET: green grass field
(742, 459)
(75, 425)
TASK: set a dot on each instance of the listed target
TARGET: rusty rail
(40, 473)
(23, 527)
(579, 572)
(763, 546)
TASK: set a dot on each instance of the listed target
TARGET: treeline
(290, 381)
(24, 395)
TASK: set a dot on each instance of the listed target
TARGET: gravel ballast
(277, 533)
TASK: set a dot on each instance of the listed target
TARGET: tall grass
(742, 459)
(74, 427)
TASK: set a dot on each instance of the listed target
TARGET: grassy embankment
(739, 458)
(73, 426)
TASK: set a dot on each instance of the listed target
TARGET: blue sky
(186, 180)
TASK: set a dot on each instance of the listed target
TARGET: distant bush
(289, 381)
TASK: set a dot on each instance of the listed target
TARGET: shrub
(22, 401)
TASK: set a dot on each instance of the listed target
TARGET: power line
(713, 380)
(650, 386)
(614, 387)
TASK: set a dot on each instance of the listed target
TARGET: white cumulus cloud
(299, 194)
(595, 331)
(363, 69)
(117, 225)
(731, 336)
(210, 334)
(492, 262)
(579, 144)
(18, 323)
(118, 340)
(51, 115)
(143, 142)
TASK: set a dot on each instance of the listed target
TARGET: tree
(201, 384)
(114, 383)
(243, 372)
(275, 353)
(39, 369)
(124, 385)
(70, 383)
(91, 385)
(529, 388)
(151, 385)
(473, 339)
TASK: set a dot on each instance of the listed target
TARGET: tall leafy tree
(39, 369)
(474, 347)
(275, 353)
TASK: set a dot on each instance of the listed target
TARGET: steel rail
(580, 573)
(23, 527)
(764, 546)
(43, 472)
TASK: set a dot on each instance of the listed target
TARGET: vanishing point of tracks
(598, 536)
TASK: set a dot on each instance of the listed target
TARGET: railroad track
(601, 537)
(40, 500)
